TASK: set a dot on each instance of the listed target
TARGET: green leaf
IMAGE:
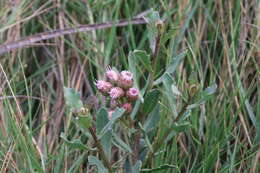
(136, 108)
(76, 143)
(138, 61)
(76, 164)
(171, 68)
(101, 121)
(137, 167)
(84, 121)
(168, 81)
(185, 115)
(153, 18)
(152, 120)
(94, 161)
(175, 90)
(203, 96)
(72, 99)
(145, 137)
(251, 113)
(150, 100)
(127, 165)
(192, 106)
(175, 61)
(133, 64)
(121, 144)
(181, 127)
(117, 114)
(143, 57)
(210, 90)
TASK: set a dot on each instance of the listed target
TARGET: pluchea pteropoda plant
(118, 87)
(126, 131)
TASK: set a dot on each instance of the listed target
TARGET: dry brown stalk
(29, 41)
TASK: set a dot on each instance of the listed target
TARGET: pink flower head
(132, 94)
(126, 79)
(112, 75)
(128, 107)
(103, 86)
(116, 93)
(126, 75)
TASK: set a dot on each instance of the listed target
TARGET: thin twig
(28, 41)
(100, 150)
(21, 96)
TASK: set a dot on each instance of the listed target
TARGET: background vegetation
(219, 41)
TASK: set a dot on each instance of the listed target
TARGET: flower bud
(116, 93)
(113, 103)
(132, 94)
(112, 76)
(128, 107)
(126, 79)
(103, 86)
(127, 75)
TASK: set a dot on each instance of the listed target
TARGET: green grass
(221, 44)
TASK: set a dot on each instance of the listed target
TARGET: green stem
(100, 150)
(158, 142)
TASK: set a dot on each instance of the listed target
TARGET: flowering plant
(118, 88)
(127, 130)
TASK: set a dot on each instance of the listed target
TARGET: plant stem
(157, 143)
(100, 150)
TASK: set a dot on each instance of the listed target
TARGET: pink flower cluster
(119, 88)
